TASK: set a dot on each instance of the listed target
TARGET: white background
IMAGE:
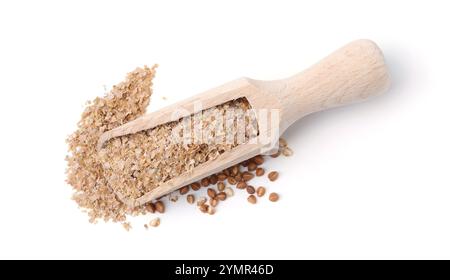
(366, 181)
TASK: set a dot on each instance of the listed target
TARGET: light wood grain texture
(350, 74)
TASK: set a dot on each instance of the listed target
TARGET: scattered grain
(250, 190)
(190, 198)
(260, 191)
(155, 222)
(231, 181)
(221, 196)
(213, 202)
(252, 199)
(241, 185)
(221, 186)
(184, 190)
(195, 186)
(213, 179)
(150, 207)
(234, 170)
(221, 177)
(259, 171)
(159, 206)
(258, 160)
(247, 176)
(204, 182)
(251, 166)
(273, 197)
(127, 226)
(273, 176)
(211, 193)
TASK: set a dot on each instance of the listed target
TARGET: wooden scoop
(350, 74)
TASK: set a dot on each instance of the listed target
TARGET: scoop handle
(350, 74)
